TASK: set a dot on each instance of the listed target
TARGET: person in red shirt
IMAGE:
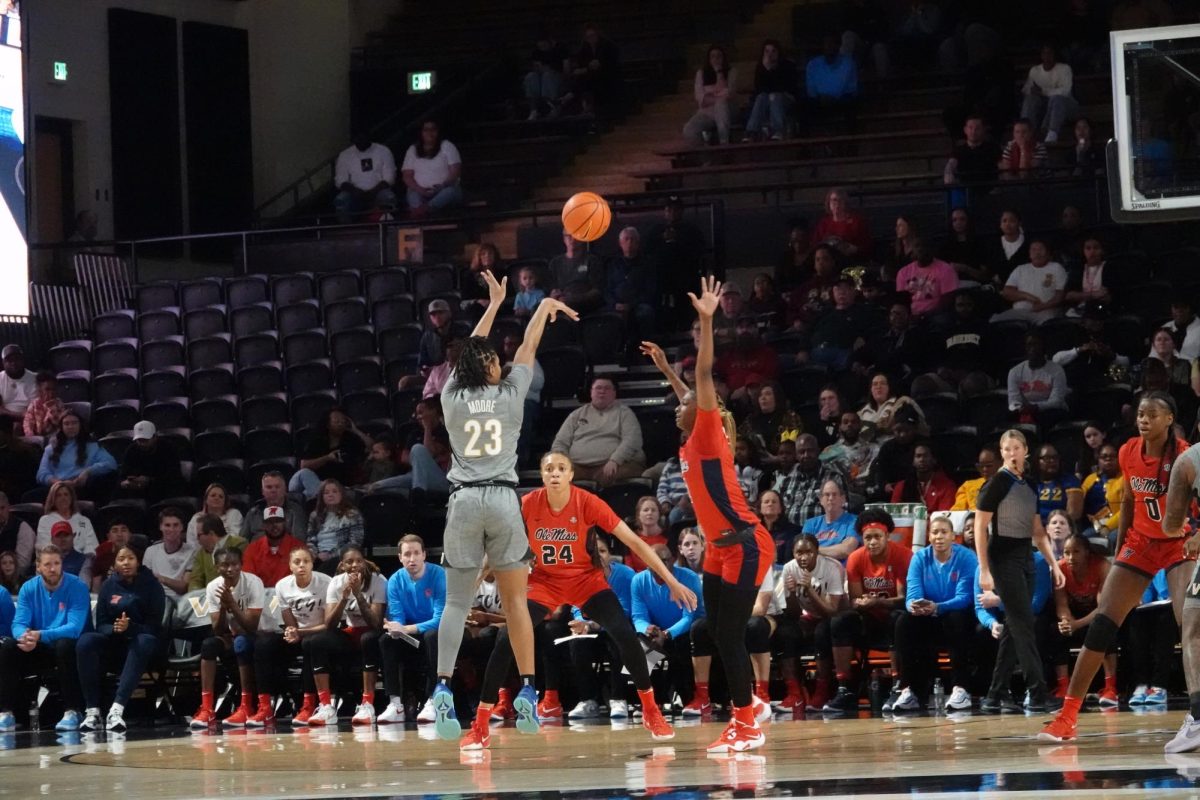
(567, 571)
(740, 550)
(1142, 550)
(875, 576)
(267, 556)
(927, 483)
(647, 524)
(1075, 605)
(748, 360)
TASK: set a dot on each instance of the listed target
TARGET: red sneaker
(203, 718)
(1108, 698)
(698, 707)
(1059, 730)
(239, 718)
(789, 703)
(545, 711)
(503, 709)
(300, 719)
(262, 718)
(737, 738)
(478, 738)
(654, 721)
(819, 698)
(1060, 690)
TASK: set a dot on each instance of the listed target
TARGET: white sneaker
(585, 709)
(91, 720)
(1138, 698)
(618, 709)
(1188, 738)
(428, 713)
(363, 715)
(762, 709)
(115, 722)
(391, 715)
(324, 715)
(907, 701)
(960, 700)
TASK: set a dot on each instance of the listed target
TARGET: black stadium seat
(246, 291)
(114, 354)
(201, 294)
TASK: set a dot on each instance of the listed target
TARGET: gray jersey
(1192, 455)
(484, 425)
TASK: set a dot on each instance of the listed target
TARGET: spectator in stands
(1086, 284)
(577, 276)
(1036, 289)
(595, 71)
(1011, 249)
(901, 348)
(964, 251)
(715, 90)
(632, 287)
(18, 388)
(800, 487)
(961, 340)
(61, 506)
(45, 410)
(426, 453)
(1163, 348)
(381, 461)
(674, 502)
(795, 264)
(1037, 387)
(544, 84)
(212, 535)
(746, 462)
(603, 437)
(775, 86)
(1068, 240)
(770, 420)
(846, 231)
(676, 247)
(1088, 365)
(894, 461)
(771, 512)
(18, 465)
(431, 171)
(902, 251)
(267, 556)
(812, 586)
(647, 524)
(939, 613)
(53, 610)
(11, 575)
(533, 402)
(1048, 102)
(747, 361)
(1103, 491)
(16, 537)
(334, 523)
(831, 80)
(274, 494)
(927, 483)
(1023, 157)
(119, 533)
(1088, 154)
(1059, 528)
(829, 416)
(840, 330)
(129, 628)
(150, 468)
(530, 295)
(663, 625)
(1056, 488)
(74, 562)
(365, 174)
(171, 559)
(1092, 440)
(876, 574)
(916, 37)
(973, 160)
(878, 416)
(416, 596)
(852, 455)
(929, 281)
(431, 350)
(71, 458)
(440, 374)
(471, 284)
(1075, 607)
(336, 449)
(834, 530)
(731, 308)
(1184, 324)
(690, 550)
(967, 494)
(215, 502)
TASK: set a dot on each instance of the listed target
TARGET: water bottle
(920, 515)
(939, 696)
(876, 694)
(35, 717)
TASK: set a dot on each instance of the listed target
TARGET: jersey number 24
(560, 555)
(477, 430)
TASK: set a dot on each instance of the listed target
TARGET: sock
(526, 680)
(1194, 699)
(843, 679)
(763, 690)
(647, 698)
(483, 715)
(395, 701)
(206, 701)
(1063, 682)
(247, 700)
(1110, 683)
(550, 698)
(504, 696)
(701, 694)
(444, 680)
(116, 708)
(793, 687)
(310, 699)
(1070, 709)
(264, 703)
(744, 715)
(92, 710)
(368, 698)
(325, 697)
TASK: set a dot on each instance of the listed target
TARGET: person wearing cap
(171, 559)
(732, 305)
(747, 361)
(267, 556)
(18, 386)
(676, 248)
(150, 468)
(577, 276)
(840, 330)
(74, 562)
(603, 438)
(274, 493)
(431, 350)
(45, 411)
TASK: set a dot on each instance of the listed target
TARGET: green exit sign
(419, 82)
(60, 71)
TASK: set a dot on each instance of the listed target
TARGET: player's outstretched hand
(681, 595)
(497, 289)
(710, 297)
(554, 307)
(656, 355)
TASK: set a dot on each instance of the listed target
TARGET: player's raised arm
(1179, 497)
(683, 596)
(547, 311)
(497, 292)
(706, 305)
(656, 354)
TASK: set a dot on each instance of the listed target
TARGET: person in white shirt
(18, 387)
(1186, 325)
(171, 559)
(1037, 387)
(364, 175)
(1047, 91)
(431, 172)
(61, 506)
(1036, 290)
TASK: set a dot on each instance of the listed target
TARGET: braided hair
(1170, 448)
(471, 371)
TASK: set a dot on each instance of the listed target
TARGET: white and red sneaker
(738, 737)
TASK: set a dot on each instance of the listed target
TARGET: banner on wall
(14, 251)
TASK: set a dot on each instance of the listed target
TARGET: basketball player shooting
(484, 409)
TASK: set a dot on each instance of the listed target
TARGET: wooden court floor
(1119, 754)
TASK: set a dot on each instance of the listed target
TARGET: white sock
(397, 702)
(117, 709)
(95, 711)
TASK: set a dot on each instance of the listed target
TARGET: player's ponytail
(730, 425)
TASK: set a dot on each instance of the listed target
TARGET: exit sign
(60, 71)
(419, 82)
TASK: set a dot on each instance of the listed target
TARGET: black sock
(1194, 699)
(526, 680)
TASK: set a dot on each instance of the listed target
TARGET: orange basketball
(586, 216)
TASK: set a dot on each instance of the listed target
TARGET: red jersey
(1083, 593)
(707, 465)
(559, 540)
(880, 580)
(1147, 477)
(635, 563)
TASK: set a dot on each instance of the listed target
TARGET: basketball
(586, 216)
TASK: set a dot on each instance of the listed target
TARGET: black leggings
(728, 608)
(272, 655)
(758, 636)
(1012, 571)
(325, 648)
(796, 636)
(604, 608)
(917, 642)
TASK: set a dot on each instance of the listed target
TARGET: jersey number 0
(475, 429)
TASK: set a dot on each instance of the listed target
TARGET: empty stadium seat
(117, 384)
(210, 351)
(382, 284)
(246, 290)
(75, 386)
(297, 317)
(309, 409)
(311, 376)
(115, 354)
(162, 353)
(335, 286)
(399, 342)
(215, 412)
(428, 282)
(120, 324)
(254, 318)
(268, 443)
(304, 346)
(170, 413)
(157, 324)
(394, 311)
(288, 289)
(217, 444)
(153, 296)
(230, 473)
(358, 374)
(262, 378)
(120, 415)
(367, 405)
(345, 314)
(264, 411)
(352, 344)
(207, 321)
(202, 293)
(257, 348)
(71, 355)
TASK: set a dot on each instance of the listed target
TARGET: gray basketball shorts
(485, 520)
